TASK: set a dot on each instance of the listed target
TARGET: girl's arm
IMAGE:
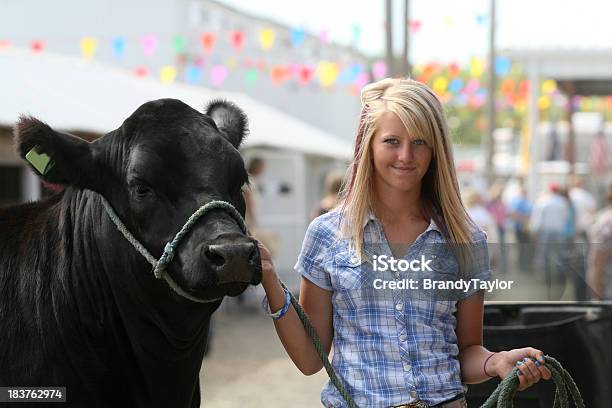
(473, 356)
(315, 301)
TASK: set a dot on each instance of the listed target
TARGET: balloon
(440, 84)
(502, 65)
(507, 86)
(476, 67)
(453, 70)
(549, 86)
(455, 85)
(543, 102)
(472, 86)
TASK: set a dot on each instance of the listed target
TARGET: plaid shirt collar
(370, 217)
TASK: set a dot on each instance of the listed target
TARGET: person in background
(585, 206)
(549, 222)
(333, 185)
(255, 169)
(599, 275)
(498, 211)
(479, 214)
(519, 210)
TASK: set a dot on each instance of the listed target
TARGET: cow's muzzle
(234, 262)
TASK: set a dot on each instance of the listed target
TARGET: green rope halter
(160, 266)
(504, 393)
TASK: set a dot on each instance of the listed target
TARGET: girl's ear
(58, 158)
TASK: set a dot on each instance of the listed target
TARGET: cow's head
(163, 163)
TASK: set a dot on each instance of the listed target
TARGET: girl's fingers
(533, 369)
(546, 374)
(522, 381)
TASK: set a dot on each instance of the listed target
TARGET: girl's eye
(419, 142)
(391, 141)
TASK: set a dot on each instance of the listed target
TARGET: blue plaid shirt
(390, 347)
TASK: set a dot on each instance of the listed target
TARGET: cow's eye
(141, 191)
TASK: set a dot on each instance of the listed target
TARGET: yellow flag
(266, 38)
(328, 72)
(88, 46)
(167, 74)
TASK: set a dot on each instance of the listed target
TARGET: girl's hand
(528, 360)
(267, 267)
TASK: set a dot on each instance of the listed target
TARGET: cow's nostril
(214, 256)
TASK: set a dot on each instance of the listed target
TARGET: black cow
(79, 306)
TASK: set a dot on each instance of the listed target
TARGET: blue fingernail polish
(537, 363)
(526, 359)
(519, 363)
(541, 358)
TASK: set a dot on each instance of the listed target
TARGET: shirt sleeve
(477, 266)
(314, 256)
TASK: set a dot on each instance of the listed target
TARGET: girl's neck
(393, 205)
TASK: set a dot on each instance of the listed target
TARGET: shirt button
(399, 306)
(408, 367)
(353, 260)
(413, 394)
(402, 337)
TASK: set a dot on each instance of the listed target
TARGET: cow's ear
(58, 158)
(230, 120)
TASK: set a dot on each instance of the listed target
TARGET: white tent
(77, 94)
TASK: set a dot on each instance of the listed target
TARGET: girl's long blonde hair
(423, 116)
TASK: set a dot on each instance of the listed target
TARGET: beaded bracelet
(282, 311)
(484, 366)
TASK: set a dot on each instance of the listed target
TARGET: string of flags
(462, 86)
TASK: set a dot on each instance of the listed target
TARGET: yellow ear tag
(41, 161)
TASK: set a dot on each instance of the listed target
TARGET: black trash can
(578, 335)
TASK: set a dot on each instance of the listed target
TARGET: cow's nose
(235, 263)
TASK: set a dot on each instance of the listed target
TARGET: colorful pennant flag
(266, 38)
(88, 47)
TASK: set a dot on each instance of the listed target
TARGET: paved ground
(248, 367)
